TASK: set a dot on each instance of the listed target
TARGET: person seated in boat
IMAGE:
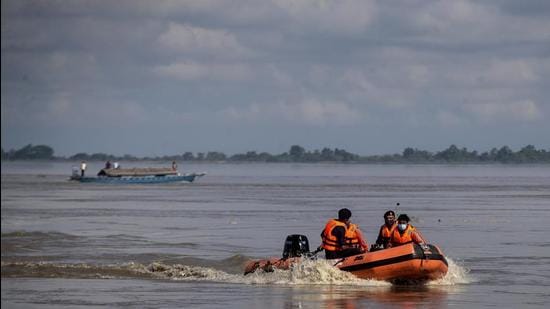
(384, 235)
(405, 233)
(341, 238)
(116, 165)
(108, 164)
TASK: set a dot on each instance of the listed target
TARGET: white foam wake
(306, 272)
(456, 274)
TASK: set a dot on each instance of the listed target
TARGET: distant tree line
(29, 152)
(296, 153)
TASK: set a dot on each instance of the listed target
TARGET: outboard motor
(75, 172)
(295, 246)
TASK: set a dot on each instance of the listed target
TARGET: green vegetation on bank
(453, 154)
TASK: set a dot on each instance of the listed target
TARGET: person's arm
(417, 237)
(380, 238)
(362, 240)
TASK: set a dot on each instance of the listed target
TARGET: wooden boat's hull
(138, 179)
(404, 263)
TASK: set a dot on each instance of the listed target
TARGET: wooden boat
(136, 176)
(405, 263)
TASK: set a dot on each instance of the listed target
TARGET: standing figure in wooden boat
(83, 166)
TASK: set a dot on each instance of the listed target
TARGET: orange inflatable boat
(399, 264)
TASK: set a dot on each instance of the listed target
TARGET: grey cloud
(276, 67)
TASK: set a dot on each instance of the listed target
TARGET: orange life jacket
(398, 238)
(330, 242)
(386, 231)
(351, 238)
(384, 235)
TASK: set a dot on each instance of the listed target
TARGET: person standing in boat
(386, 229)
(82, 168)
(405, 233)
(174, 166)
(342, 238)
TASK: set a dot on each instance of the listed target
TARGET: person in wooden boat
(341, 238)
(405, 233)
(108, 164)
(384, 235)
(174, 166)
(83, 166)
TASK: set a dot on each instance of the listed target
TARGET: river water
(72, 245)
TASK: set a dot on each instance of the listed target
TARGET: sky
(152, 78)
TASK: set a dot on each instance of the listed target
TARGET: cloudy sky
(371, 77)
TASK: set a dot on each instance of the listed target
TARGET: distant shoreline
(297, 154)
(66, 160)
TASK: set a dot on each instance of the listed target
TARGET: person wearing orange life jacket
(342, 238)
(405, 233)
(386, 229)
